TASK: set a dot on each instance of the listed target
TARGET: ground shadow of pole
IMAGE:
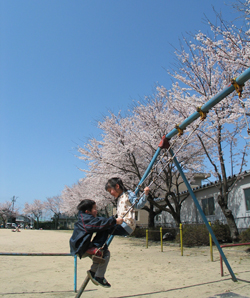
(41, 292)
(177, 289)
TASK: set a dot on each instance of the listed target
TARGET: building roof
(208, 185)
(216, 182)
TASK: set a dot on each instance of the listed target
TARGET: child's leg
(100, 269)
(100, 238)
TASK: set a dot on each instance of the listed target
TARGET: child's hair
(112, 183)
(86, 205)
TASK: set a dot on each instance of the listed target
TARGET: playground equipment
(161, 238)
(229, 245)
(46, 255)
(236, 84)
(97, 255)
(210, 242)
(82, 288)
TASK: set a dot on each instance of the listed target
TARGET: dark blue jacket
(83, 230)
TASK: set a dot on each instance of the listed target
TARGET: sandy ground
(134, 270)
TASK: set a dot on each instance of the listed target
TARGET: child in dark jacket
(80, 241)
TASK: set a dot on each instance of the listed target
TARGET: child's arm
(143, 200)
(97, 224)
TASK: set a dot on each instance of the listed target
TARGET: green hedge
(46, 225)
(153, 233)
(245, 236)
(221, 231)
(194, 234)
(198, 235)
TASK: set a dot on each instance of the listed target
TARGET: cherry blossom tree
(72, 196)
(229, 43)
(53, 205)
(6, 212)
(167, 182)
(90, 187)
(206, 65)
(35, 210)
(127, 146)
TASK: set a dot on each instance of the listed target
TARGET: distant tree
(71, 197)
(90, 187)
(6, 212)
(54, 205)
(35, 210)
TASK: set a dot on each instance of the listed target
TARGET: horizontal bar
(234, 244)
(35, 254)
(228, 245)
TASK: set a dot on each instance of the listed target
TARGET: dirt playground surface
(134, 270)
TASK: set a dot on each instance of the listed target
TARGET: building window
(208, 206)
(136, 215)
(247, 198)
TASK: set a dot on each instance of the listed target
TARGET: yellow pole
(211, 245)
(161, 239)
(146, 238)
(181, 239)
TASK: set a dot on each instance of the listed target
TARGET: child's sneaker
(91, 275)
(102, 282)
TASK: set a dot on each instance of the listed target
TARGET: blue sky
(64, 64)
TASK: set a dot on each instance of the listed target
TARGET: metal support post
(202, 215)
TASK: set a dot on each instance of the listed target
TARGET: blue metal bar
(109, 240)
(35, 254)
(148, 169)
(75, 273)
(203, 215)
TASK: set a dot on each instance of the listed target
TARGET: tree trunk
(151, 216)
(230, 218)
(177, 219)
(56, 221)
(177, 214)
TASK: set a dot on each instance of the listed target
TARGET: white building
(238, 203)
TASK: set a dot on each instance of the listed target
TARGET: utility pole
(13, 202)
